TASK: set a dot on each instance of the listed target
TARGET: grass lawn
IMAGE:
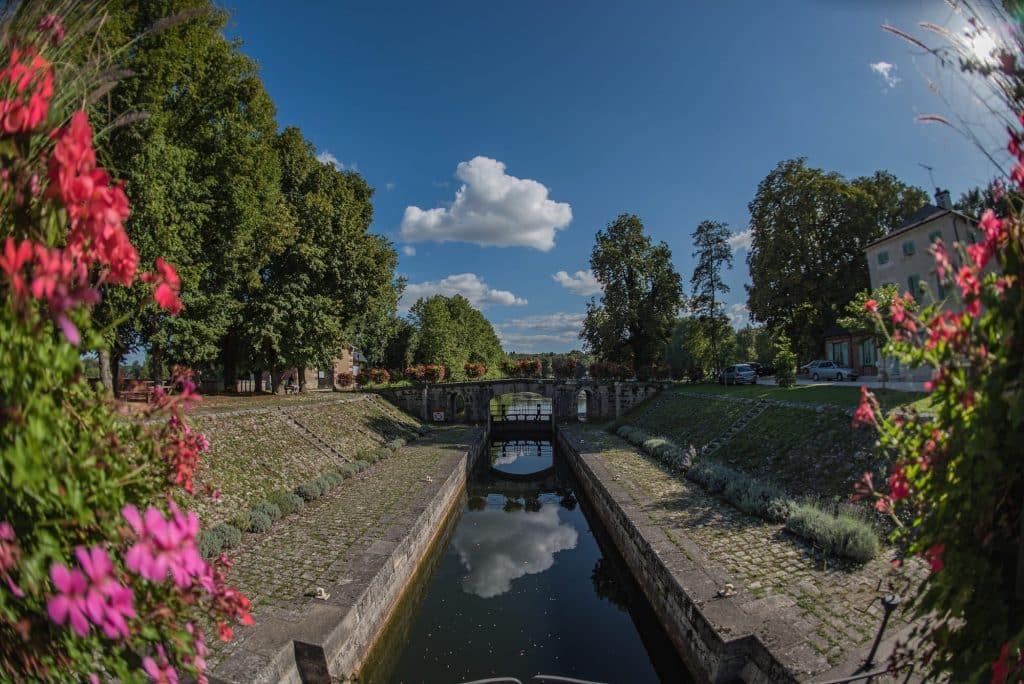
(848, 396)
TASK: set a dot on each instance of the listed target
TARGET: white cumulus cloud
(887, 71)
(541, 333)
(581, 282)
(390, 186)
(326, 157)
(739, 315)
(469, 285)
(492, 209)
(741, 240)
(409, 250)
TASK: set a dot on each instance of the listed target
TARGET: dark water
(523, 585)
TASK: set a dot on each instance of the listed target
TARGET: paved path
(868, 381)
(314, 547)
(835, 604)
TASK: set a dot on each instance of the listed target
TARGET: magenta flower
(161, 672)
(10, 552)
(107, 602)
(94, 596)
(69, 604)
(164, 546)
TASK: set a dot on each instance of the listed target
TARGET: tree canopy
(809, 229)
(642, 294)
(450, 332)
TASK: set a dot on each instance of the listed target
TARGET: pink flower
(934, 557)
(164, 546)
(865, 413)
(10, 552)
(168, 285)
(95, 596)
(69, 603)
(160, 672)
(871, 306)
(107, 602)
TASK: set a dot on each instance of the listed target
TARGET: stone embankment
(796, 615)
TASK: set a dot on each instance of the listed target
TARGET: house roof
(925, 214)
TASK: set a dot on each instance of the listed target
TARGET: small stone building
(855, 350)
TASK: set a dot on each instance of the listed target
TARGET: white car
(830, 370)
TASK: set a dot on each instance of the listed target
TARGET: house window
(914, 284)
(908, 248)
(935, 235)
(868, 354)
(840, 353)
(883, 258)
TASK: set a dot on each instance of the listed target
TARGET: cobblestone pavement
(836, 602)
(280, 570)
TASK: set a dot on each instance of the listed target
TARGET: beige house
(902, 257)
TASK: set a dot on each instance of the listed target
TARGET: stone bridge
(469, 402)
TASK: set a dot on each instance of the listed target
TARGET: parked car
(830, 370)
(807, 369)
(739, 374)
(761, 369)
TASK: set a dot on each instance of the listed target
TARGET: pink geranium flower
(94, 596)
(164, 546)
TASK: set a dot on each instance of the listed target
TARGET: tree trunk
(302, 378)
(156, 364)
(106, 376)
(275, 381)
(257, 381)
(229, 362)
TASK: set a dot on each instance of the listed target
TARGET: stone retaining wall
(670, 578)
(329, 641)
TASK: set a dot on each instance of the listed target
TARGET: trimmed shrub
(271, 510)
(259, 522)
(230, 535)
(838, 535)
(423, 429)
(287, 502)
(746, 493)
(210, 543)
(380, 453)
(309, 490)
(395, 444)
(363, 463)
(348, 470)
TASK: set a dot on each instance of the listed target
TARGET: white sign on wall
(438, 416)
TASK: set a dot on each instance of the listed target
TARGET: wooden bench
(137, 390)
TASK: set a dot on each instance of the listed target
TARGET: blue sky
(564, 114)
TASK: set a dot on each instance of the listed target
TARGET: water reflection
(525, 585)
(521, 457)
(496, 548)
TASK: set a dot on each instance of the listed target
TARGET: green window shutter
(935, 235)
(914, 285)
(908, 247)
(883, 258)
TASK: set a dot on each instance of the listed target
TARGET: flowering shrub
(345, 379)
(475, 370)
(610, 370)
(380, 376)
(429, 372)
(100, 571)
(567, 369)
(956, 487)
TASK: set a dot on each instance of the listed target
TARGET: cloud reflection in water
(499, 547)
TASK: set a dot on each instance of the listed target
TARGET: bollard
(889, 604)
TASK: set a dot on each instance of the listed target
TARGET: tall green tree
(711, 239)
(335, 275)
(809, 229)
(895, 201)
(449, 331)
(202, 173)
(642, 294)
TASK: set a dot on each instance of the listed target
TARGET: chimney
(942, 199)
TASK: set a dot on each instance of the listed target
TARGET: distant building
(351, 361)
(902, 258)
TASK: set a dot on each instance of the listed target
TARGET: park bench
(137, 390)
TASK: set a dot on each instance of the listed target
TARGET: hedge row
(665, 450)
(838, 535)
(260, 517)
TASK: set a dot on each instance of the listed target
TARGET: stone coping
(328, 640)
